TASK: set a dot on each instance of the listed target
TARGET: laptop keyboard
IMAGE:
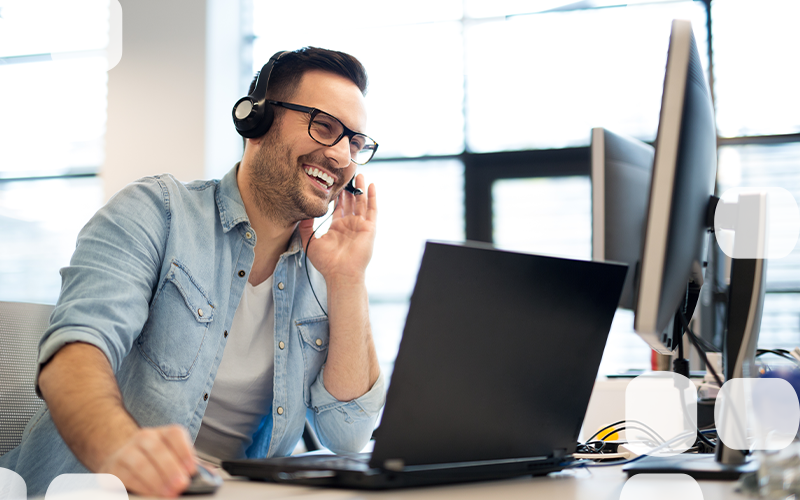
(358, 461)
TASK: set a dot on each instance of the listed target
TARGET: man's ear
(252, 144)
(255, 141)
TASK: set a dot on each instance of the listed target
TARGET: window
(39, 221)
(544, 80)
(52, 87)
(413, 54)
(53, 99)
(545, 215)
(755, 77)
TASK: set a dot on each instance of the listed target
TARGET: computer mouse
(204, 482)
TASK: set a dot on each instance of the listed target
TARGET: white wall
(169, 99)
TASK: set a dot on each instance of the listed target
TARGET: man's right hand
(155, 461)
(87, 408)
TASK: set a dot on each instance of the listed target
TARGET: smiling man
(191, 323)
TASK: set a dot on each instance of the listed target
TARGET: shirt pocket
(177, 326)
(314, 337)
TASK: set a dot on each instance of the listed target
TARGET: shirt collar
(232, 212)
(229, 201)
(295, 243)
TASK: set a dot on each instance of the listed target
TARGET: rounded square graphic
(661, 487)
(114, 49)
(86, 487)
(757, 223)
(12, 486)
(757, 414)
(660, 414)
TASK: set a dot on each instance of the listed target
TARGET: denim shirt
(154, 282)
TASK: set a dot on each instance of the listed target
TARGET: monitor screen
(621, 170)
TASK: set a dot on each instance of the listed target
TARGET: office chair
(21, 327)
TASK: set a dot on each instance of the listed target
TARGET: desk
(601, 483)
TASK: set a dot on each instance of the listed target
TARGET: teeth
(319, 174)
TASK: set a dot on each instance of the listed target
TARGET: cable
(700, 351)
(650, 433)
(588, 447)
(305, 256)
(706, 441)
(778, 352)
(610, 426)
(708, 346)
(679, 437)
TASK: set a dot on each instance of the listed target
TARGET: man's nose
(340, 152)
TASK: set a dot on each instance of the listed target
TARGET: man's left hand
(346, 249)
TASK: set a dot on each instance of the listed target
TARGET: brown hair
(291, 67)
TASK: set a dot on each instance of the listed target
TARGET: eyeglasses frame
(313, 112)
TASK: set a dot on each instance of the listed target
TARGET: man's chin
(317, 208)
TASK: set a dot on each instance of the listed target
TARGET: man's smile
(322, 177)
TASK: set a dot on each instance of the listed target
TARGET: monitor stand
(745, 305)
(697, 465)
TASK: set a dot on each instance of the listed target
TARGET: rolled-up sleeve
(106, 289)
(345, 426)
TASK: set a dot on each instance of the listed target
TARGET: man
(187, 312)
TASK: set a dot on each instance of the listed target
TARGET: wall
(169, 99)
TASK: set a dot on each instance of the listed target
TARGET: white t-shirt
(242, 392)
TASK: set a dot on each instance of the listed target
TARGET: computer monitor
(621, 168)
(679, 218)
(684, 171)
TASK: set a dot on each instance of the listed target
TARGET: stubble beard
(277, 184)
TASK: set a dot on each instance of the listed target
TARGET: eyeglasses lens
(326, 129)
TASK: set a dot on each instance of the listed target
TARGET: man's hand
(346, 249)
(87, 409)
(155, 461)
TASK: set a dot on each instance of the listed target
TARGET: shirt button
(280, 285)
(280, 410)
(200, 312)
(205, 397)
(281, 344)
(241, 274)
(248, 235)
(225, 334)
(318, 342)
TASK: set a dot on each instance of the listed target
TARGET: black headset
(253, 116)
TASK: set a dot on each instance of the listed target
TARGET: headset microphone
(350, 187)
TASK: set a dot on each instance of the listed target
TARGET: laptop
(497, 362)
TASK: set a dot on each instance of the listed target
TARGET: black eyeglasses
(328, 130)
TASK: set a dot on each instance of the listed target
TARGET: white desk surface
(598, 483)
(601, 483)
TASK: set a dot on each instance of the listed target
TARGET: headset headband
(252, 116)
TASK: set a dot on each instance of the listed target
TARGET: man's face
(279, 179)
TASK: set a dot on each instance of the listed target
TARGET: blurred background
(483, 112)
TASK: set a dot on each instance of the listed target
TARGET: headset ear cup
(266, 121)
(245, 115)
(256, 124)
